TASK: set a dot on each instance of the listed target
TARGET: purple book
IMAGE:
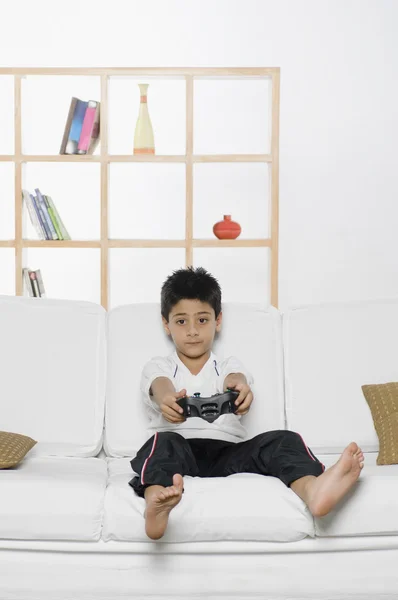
(39, 216)
(46, 215)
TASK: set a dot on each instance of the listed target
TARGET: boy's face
(192, 325)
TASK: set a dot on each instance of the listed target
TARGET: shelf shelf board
(203, 72)
(60, 158)
(49, 158)
(157, 158)
(146, 243)
(255, 243)
(61, 244)
(205, 243)
(210, 243)
(167, 158)
(232, 158)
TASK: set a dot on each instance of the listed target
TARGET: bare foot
(325, 491)
(159, 502)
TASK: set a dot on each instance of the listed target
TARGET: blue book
(53, 234)
(43, 218)
(37, 211)
(76, 125)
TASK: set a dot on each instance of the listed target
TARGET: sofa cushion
(53, 498)
(250, 332)
(370, 508)
(239, 507)
(331, 350)
(53, 386)
(13, 448)
(383, 403)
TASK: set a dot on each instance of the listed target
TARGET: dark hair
(191, 284)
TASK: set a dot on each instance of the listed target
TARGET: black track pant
(280, 454)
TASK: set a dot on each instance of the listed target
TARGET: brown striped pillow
(382, 399)
(13, 448)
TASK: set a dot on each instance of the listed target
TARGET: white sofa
(71, 528)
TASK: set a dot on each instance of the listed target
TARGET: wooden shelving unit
(104, 159)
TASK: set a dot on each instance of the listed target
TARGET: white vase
(143, 137)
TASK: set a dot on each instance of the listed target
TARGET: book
(42, 215)
(90, 123)
(35, 285)
(51, 233)
(65, 137)
(53, 217)
(28, 282)
(39, 216)
(33, 214)
(62, 228)
(40, 283)
(95, 134)
(73, 126)
(42, 218)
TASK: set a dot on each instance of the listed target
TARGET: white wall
(339, 110)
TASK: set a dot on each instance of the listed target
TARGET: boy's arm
(164, 394)
(160, 387)
(231, 370)
(235, 376)
(238, 382)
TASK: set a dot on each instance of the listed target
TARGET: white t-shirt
(209, 381)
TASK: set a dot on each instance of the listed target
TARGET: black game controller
(209, 408)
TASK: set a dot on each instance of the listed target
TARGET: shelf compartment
(147, 198)
(232, 116)
(45, 106)
(78, 205)
(68, 273)
(241, 190)
(167, 110)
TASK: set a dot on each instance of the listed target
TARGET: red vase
(227, 229)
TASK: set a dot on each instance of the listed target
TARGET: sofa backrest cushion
(331, 350)
(135, 334)
(53, 359)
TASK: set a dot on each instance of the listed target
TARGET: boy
(191, 315)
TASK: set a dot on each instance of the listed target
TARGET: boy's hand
(244, 399)
(172, 411)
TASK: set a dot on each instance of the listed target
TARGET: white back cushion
(331, 350)
(52, 357)
(135, 334)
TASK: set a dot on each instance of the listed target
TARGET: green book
(62, 228)
(53, 218)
